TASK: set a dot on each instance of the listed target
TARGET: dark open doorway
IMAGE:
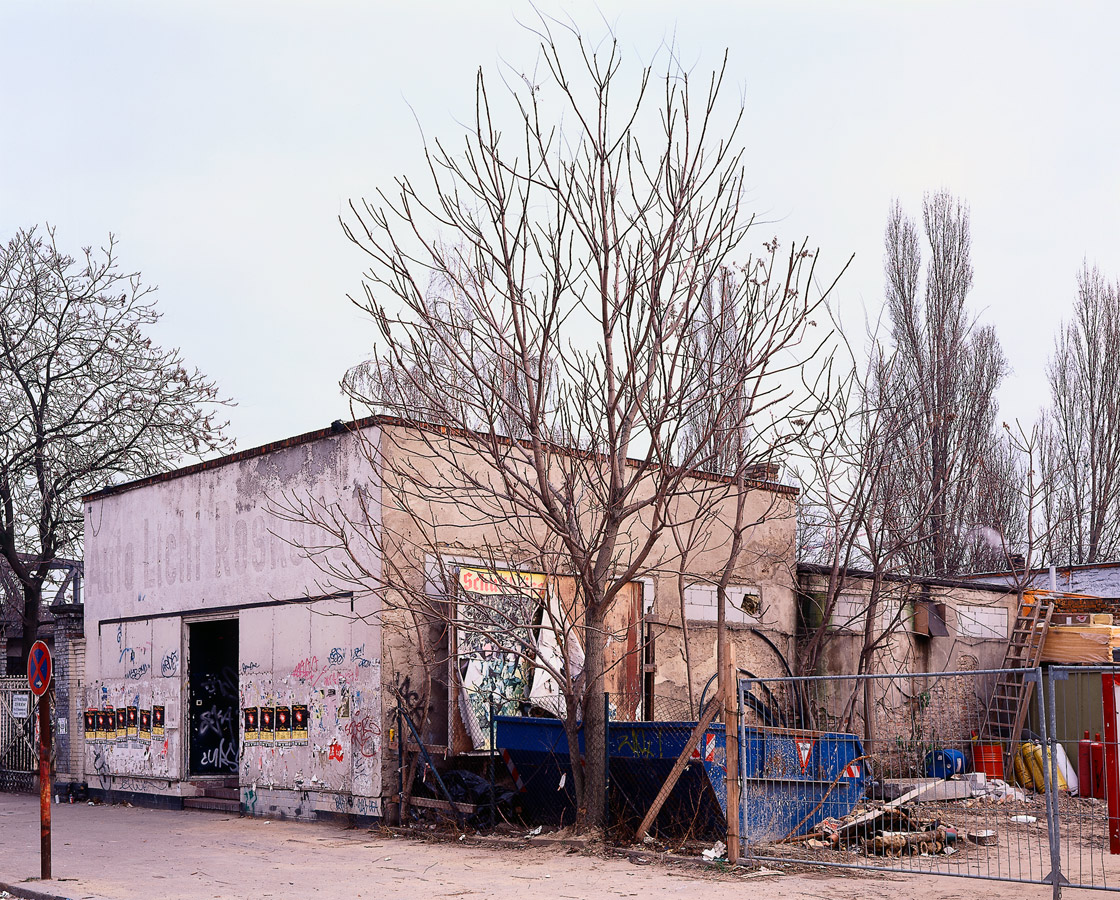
(212, 693)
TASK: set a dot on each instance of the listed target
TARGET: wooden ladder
(1011, 696)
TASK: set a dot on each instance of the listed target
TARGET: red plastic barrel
(988, 758)
(1096, 763)
(1086, 784)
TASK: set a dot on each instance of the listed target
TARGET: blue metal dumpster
(792, 779)
(641, 757)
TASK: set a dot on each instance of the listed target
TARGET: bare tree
(86, 399)
(1083, 424)
(948, 369)
(857, 512)
(562, 268)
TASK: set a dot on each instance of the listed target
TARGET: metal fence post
(493, 750)
(1048, 722)
(606, 758)
(740, 724)
(400, 765)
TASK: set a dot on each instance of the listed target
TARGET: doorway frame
(185, 692)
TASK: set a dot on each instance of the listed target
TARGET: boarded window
(744, 603)
(850, 613)
(982, 622)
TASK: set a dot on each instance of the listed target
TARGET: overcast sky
(220, 141)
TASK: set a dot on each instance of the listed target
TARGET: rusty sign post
(39, 677)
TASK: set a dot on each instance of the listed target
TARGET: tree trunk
(594, 722)
(32, 604)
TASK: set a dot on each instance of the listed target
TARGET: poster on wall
(91, 724)
(299, 723)
(102, 730)
(120, 729)
(252, 724)
(145, 724)
(492, 606)
(133, 721)
(267, 713)
(157, 721)
(283, 724)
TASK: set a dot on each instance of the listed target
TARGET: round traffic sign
(39, 668)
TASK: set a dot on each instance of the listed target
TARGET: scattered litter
(534, 832)
(762, 871)
(819, 845)
(984, 837)
(718, 850)
(563, 781)
(1024, 820)
(462, 837)
(998, 790)
(896, 843)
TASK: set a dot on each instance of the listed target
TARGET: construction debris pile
(915, 820)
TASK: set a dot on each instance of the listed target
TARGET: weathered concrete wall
(208, 545)
(416, 530)
(765, 570)
(906, 651)
(909, 715)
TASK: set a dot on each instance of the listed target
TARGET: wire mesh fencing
(643, 754)
(968, 773)
(1082, 703)
(897, 772)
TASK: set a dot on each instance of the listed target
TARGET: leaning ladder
(1011, 695)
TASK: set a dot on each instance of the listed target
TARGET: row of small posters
(275, 724)
(124, 723)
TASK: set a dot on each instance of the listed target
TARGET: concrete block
(933, 789)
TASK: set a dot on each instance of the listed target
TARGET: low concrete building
(231, 643)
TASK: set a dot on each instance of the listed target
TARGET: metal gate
(896, 773)
(18, 753)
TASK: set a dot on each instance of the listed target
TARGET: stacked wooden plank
(1081, 638)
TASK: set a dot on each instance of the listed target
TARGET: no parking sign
(39, 668)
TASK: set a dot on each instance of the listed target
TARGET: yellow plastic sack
(1022, 773)
(1038, 760)
(1034, 765)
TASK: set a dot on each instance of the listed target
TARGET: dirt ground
(112, 852)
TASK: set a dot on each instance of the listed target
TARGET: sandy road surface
(121, 852)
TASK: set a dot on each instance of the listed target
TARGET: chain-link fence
(643, 753)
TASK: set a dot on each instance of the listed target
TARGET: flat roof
(339, 427)
(931, 580)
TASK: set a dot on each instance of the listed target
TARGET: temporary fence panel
(1082, 705)
(18, 751)
(885, 772)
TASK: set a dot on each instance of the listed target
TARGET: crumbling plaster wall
(911, 714)
(767, 564)
(185, 548)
